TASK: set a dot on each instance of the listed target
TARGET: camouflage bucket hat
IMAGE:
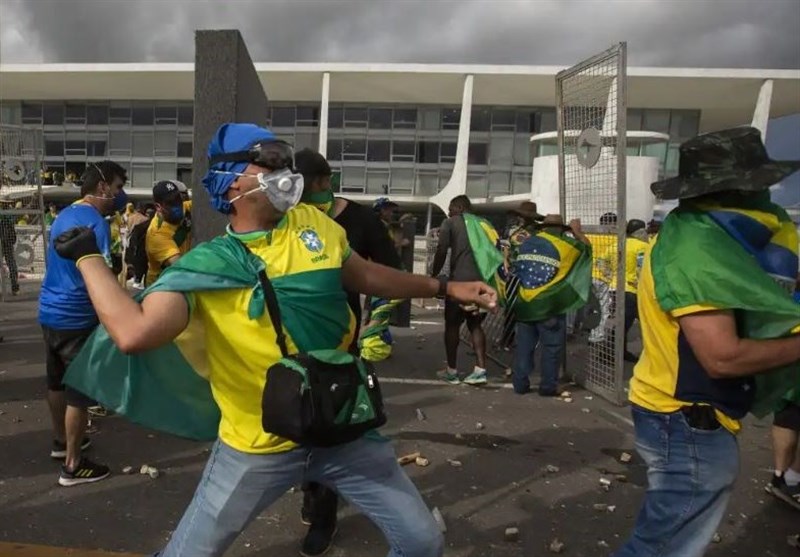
(728, 160)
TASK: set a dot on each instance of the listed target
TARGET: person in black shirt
(369, 238)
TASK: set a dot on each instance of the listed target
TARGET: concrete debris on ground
(566, 399)
(551, 469)
(604, 507)
(603, 544)
(408, 459)
(422, 461)
(621, 478)
(566, 394)
(717, 538)
(454, 463)
(605, 483)
(479, 425)
(151, 471)
(128, 470)
(625, 458)
(585, 410)
(421, 415)
(557, 546)
(511, 534)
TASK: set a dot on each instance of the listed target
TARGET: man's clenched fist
(76, 243)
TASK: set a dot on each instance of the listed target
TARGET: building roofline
(715, 73)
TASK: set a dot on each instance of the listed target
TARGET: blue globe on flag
(537, 262)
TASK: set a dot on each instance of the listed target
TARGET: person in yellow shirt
(636, 245)
(169, 234)
(604, 277)
(306, 255)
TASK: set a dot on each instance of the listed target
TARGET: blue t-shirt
(64, 303)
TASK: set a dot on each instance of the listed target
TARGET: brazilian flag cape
(167, 388)
(555, 276)
(483, 239)
(739, 254)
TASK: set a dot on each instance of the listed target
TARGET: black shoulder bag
(319, 398)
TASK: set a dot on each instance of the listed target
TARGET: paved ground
(503, 481)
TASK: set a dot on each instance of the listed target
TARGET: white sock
(452, 370)
(477, 369)
(792, 478)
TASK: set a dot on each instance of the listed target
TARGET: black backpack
(136, 254)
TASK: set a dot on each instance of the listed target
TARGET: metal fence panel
(23, 237)
(591, 109)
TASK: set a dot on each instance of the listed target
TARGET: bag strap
(271, 300)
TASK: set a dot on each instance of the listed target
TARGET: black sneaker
(86, 472)
(59, 449)
(788, 494)
(318, 541)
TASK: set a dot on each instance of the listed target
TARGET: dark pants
(320, 505)
(550, 333)
(631, 313)
(11, 263)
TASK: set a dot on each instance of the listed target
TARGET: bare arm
(133, 327)
(366, 277)
(577, 230)
(714, 340)
(441, 248)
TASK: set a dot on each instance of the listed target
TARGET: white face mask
(283, 188)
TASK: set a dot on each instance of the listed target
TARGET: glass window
(119, 143)
(335, 118)
(186, 115)
(353, 179)
(166, 115)
(185, 147)
(308, 116)
(402, 181)
(476, 184)
(380, 118)
(75, 144)
(673, 157)
(684, 124)
(334, 150)
(165, 171)
(480, 120)
(119, 115)
(53, 145)
(378, 182)
(405, 118)
(165, 143)
(501, 151)
(526, 122)
(431, 119)
(354, 149)
(10, 113)
(547, 120)
(355, 117)
(546, 149)
(336, 180)
(143, 144)
(96, 144)
(658, 150)
(499, 183)
(522, 150)
(428, 152)
(656, 120)
(283, 117)
(306, 140)
(75, 114)
(97, 115)
(477, 153)
(142, 115)
(447, 152)
(634, 119)
(503, 120)
(451, 118)
(142, 175)
(403, 150)
(378, 150)
(31, 113)
(185, 174)
(427, 183)
(521, 183)
(53, 114)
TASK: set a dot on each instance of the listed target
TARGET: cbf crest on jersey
(311, 240)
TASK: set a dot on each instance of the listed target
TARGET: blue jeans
(690, 476)
(237, 486)
(550, 333)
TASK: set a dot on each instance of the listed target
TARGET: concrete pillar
(761, 112)
(226, 89)
(323, 114)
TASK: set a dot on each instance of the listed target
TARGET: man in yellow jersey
(696, 378)
(636, 245)
(168, 235)
(604, 277)
(308, 260)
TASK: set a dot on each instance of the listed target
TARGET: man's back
(453, 235)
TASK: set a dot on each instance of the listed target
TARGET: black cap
(166, 190)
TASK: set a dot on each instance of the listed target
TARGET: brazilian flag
(483, 239)
(555, 276)
(738, 254)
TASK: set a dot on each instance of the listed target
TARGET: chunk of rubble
(511, 534)
(557, 546)
(625, 458)
(422, 461)
(551, 469)
(454, 463)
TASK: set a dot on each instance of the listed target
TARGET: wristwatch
(443, 280)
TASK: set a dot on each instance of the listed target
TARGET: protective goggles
(275, 155)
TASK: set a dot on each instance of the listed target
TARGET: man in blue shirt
(68, 318)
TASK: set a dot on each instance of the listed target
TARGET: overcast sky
(701, 33)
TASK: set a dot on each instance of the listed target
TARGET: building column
(323, 114)
(761, 112)
(457, 185)
(429, 217)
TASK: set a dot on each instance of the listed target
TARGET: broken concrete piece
(127, 470)
(408, 459)
(556, 546)
(605, 483)
(603, 544)
(600, 506)
(625, 458)
(459, 436)
(717, 538)
(567, 399)
(585, 410)
(621, 478)
(511, 534)
(153, 473)
(143, 470)
(551, 469)
(422, 461)
(479, 425)
(421, 415)
(454, 463)
(566, 394)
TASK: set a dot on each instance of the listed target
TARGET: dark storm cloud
(712, 33)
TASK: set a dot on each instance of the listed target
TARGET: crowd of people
(281, 291)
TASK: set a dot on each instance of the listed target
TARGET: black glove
(76, 243)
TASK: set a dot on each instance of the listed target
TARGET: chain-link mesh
(591, 111)
(22, 224)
